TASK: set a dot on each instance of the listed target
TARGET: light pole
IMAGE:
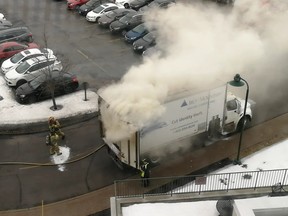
(238, 81)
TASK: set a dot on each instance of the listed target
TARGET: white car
(125, 3)
(28, 70)
(2, 17)
(18, 58)
(95, 14)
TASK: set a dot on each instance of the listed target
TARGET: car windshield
(91, 3)
(23, 67)
(126, 18)
(149, 37)
(111, 14)
(16, 58)
(153, 4)
(98, 9)
(140, 28)
(37, 81)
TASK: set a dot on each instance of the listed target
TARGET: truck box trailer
(185, 115)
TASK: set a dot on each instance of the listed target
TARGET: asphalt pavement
(255, 138)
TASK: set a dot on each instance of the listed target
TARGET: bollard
(85, 86)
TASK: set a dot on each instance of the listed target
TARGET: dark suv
(127, 22)
(21, 34)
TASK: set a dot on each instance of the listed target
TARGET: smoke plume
(199, 44)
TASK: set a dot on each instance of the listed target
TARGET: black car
(106, 19)
(90, 5)
(127, 22)
(38, 88)
(4, 24)
(21, 34)
(136, 4)
(145, 42)
(157, 4)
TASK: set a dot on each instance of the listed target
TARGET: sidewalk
(20, 119)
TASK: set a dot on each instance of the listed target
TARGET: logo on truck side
(184, 103)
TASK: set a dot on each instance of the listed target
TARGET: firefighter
(54, 148)
(54, 126)
(145, 172)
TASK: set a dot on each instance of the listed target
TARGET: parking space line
(117, 39)
(85, 56)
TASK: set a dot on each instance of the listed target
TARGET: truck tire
(243, 123)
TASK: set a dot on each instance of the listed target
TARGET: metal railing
(198, 184)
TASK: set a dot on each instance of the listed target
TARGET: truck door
(232, 115)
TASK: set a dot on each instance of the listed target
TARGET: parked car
(2, 17)
(151, 51)
(136, 33)
(158, 4)
(106, 19)
(37, 89)
(22, 34)
(28, 70)
(149, 40)
(90, 5)
(4, 24)
(75, 4)
(137, 4)
(8, 49)
(22, 56)
(125, 3)
(95, 14)
(127, 22)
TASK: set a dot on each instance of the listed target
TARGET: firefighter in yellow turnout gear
(145, 172)
(54, 148)
(54, 126)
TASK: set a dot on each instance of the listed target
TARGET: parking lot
(86, 50)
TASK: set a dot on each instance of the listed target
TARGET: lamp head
(236, 82)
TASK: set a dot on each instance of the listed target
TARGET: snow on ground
(272, 157)
(73, 104)
(60, 159)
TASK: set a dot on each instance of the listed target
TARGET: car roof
(120, 10)
(40, 59)
(106, 5)
(11, 43)
(43, 77)
(31, 51)
(5, 45)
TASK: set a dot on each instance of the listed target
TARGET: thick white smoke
(201, 44)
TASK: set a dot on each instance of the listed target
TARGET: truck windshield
(231, 105)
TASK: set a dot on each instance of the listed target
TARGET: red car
(8, 49)
(75, 4)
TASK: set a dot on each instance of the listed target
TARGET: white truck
(186, 115)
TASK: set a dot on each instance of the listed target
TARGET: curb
(41, 126)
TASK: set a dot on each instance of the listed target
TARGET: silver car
(31, 68)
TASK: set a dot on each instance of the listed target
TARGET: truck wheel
(243, 123)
